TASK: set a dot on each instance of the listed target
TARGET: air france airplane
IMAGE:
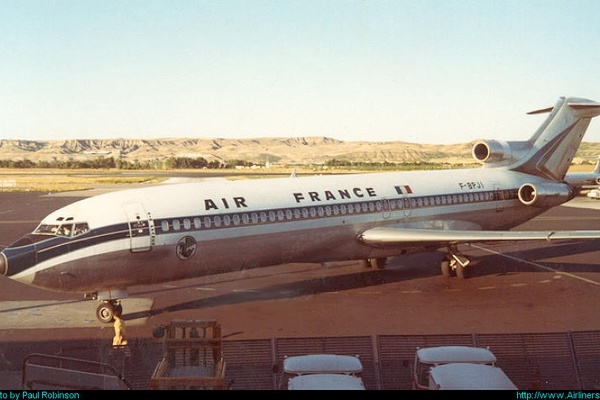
(103, 245)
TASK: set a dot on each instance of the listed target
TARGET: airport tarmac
(514, 287)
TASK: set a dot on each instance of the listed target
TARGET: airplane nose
(3, 264)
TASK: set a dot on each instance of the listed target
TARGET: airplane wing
(389, 236)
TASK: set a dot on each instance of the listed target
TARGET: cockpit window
(81, 228)
(45, 229)
(67, 230)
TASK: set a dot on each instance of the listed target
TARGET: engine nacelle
(545, 194)
(498, 152)
(491, 151)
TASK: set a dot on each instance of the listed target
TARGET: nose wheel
(108, 309)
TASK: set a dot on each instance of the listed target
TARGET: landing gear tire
(460, 271)
(108, 310)
(445, 268)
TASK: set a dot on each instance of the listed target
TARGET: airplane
(162, 233)
(585, 180)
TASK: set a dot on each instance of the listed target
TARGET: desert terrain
(265, 151)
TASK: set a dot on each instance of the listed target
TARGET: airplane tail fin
(550, 151)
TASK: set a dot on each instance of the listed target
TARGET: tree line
(202, 163)
(112, 163)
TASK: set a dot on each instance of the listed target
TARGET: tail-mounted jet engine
(545, 194)
(499, 152)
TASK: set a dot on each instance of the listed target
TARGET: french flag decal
(405, 189)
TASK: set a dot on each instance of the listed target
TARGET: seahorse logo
(186, 247)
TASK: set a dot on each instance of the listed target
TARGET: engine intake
(491, 151)
(545, 194)
(499, 152)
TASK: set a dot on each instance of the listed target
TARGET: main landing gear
(454, 261)
(374, 262)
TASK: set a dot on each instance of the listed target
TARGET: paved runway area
(52, 314)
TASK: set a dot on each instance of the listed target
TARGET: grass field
(45, 180)
(60, 180)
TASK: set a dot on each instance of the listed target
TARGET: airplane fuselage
(176, 231)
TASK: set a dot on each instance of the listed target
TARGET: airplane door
(139, 227)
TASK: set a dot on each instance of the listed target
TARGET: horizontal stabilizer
(583, 106)
(589, 105)
(542, 111)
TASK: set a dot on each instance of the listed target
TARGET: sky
(432, 72)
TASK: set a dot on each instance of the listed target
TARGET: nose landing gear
(108, 310)
(110, 304)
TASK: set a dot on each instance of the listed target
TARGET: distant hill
(284, 150)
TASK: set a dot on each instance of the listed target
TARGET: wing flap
(396, 236)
